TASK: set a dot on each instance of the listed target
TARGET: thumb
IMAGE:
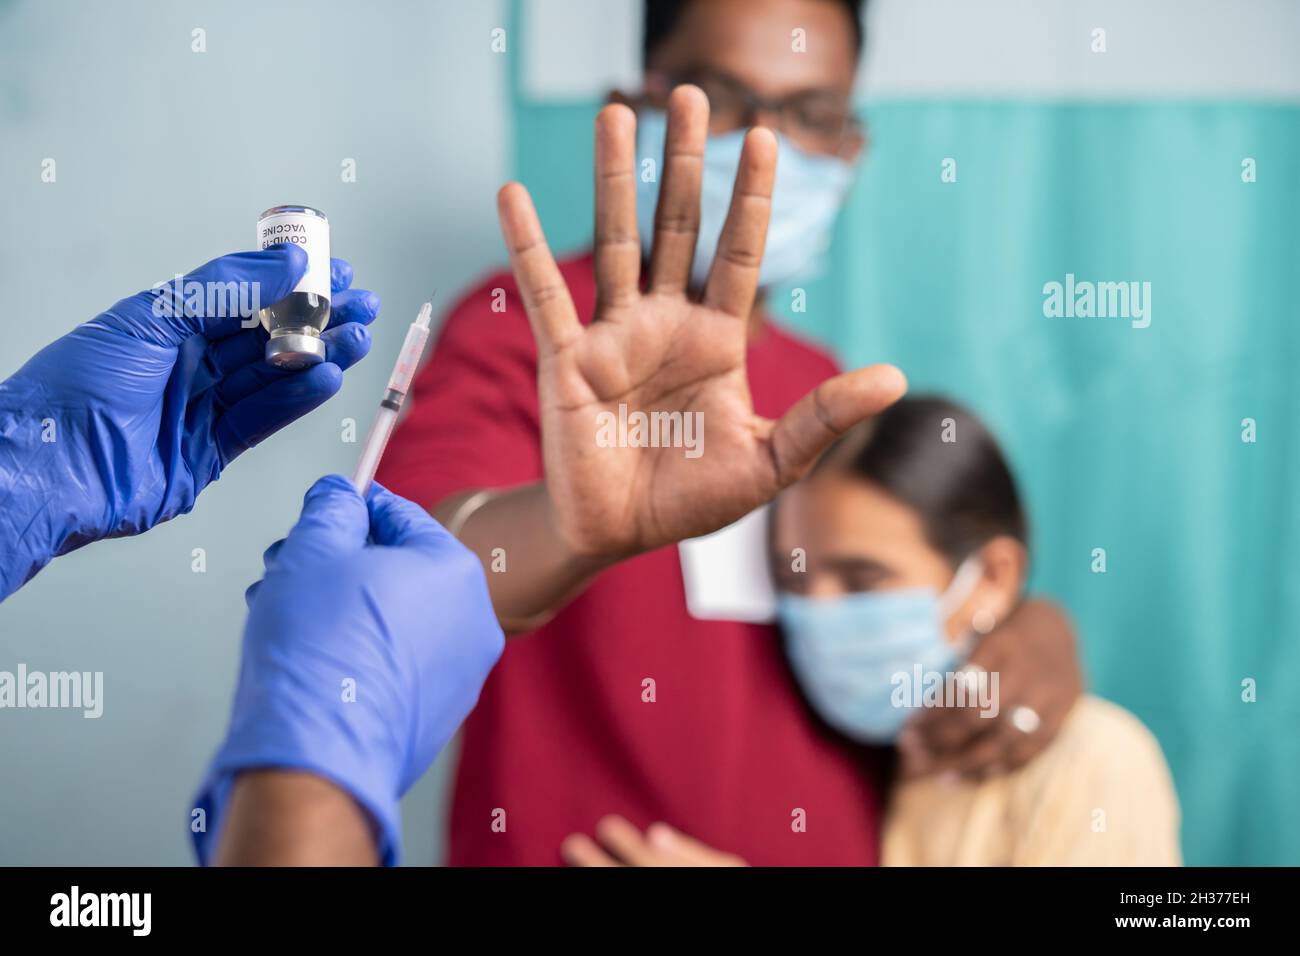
(397, 522)
(827, 412)
(217, 299)
(333, 523)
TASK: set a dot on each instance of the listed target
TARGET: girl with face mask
(904, 545)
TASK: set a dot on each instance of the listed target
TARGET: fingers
(963, 739)
(733, 279)
(1024, 747)
(937, 737)
(340, 275)
(215, 300)
(625, 845)
(272, 550)
(982, 755)
(617, 244)
(1030, 663)
(977, 741)
(627, 842)
(251, 420)
(260, 399)
(345, 345)
(232, 353)
(334, 522)
(825, 413)
(268, 557)
(677, 217)
(550, 309)
(353, 305)
(578, 849)
(1050, 703)
(360, 306)
(684, 850)
(675, 845)
(397, 522)
(394, 521)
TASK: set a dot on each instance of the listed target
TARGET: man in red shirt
(617, 700)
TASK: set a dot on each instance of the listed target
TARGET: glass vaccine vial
(296, 321)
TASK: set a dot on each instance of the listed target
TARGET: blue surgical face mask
(807, 196)
(846, 650)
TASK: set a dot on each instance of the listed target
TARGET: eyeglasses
(821, 121)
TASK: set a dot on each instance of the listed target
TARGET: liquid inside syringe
(399, 383)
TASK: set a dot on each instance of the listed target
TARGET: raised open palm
(664, 350)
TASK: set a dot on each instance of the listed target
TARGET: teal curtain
(1124, 439)
(1127, 439)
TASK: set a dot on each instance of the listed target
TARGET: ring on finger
(1025, 719)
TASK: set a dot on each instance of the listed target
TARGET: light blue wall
(164, 159)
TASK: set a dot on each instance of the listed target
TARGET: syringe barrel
(376, 441)
(408, 359)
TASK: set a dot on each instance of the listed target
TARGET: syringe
(398, 384)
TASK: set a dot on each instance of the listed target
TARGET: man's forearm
(531, 571)
(291, 818)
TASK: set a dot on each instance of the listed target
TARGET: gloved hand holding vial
(118, 425)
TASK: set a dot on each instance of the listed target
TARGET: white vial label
(310, 232)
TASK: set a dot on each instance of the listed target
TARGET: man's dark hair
(661, 17)
(961, 489)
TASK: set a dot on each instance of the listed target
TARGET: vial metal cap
(293, 207)
(294, 350)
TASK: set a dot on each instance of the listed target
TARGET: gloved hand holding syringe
(399, 383)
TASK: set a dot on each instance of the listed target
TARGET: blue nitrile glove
(366, 645)
(118, 425)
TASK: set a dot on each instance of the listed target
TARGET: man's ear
(1004, 565)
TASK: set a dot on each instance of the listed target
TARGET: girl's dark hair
(938, 459)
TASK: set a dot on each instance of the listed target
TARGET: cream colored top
(1100, 794)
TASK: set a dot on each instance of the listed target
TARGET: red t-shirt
(727, 752)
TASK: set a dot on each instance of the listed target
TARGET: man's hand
(118, 425)
(1033, 652)
(666, 350)
(622, 844)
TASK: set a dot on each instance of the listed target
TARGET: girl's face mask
(846, 650)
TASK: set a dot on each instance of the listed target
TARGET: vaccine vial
(296, 321)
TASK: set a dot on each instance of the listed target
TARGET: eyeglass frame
(853, 127)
